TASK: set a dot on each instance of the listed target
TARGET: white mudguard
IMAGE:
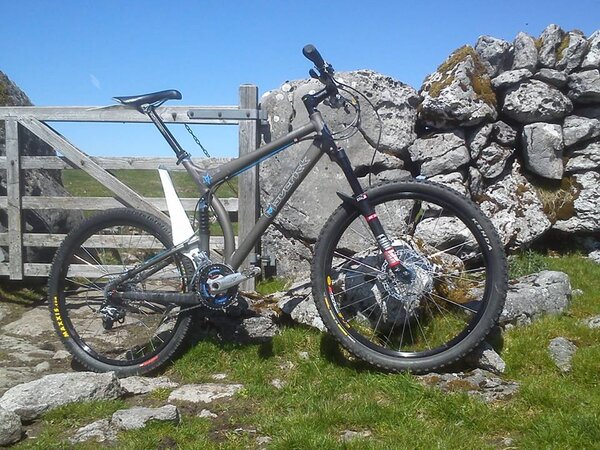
(181, 229)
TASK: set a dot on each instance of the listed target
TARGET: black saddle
(147, 99)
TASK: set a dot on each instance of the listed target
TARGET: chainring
(211, 300)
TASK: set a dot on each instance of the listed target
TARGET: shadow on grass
(24, 293)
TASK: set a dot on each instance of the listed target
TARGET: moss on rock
(480, 81)
(558, 201)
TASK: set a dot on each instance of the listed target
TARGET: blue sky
(84, 52)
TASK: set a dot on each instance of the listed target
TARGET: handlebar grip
(313, 55)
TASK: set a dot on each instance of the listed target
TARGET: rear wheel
(434, 315)
(125, 336)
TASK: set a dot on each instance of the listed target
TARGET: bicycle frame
(207, 181)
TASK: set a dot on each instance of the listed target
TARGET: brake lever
(337, 101)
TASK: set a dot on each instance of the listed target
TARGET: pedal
(222, 284)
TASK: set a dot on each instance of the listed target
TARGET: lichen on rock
(459, 92)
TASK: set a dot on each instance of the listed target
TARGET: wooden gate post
(248, 187)
(13, 192)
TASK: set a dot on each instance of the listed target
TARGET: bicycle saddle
(146, 99)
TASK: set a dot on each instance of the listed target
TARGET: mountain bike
(408, 276)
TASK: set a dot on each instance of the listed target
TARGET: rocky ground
(37, 374)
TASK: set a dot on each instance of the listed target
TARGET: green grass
(147, 184)
(272, 285)
(328, 392)
(144, 182)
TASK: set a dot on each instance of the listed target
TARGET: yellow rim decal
(58, 318)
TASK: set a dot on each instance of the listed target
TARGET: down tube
(308, 161)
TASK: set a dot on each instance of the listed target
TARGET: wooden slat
(112, 163)
(13, 191)
(113, 113)
(54, 240)
(102, 203)
(249, 203)
(125, 194)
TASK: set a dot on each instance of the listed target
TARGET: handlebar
(325, 69)
(312, 54)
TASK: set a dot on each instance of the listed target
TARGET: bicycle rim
(125, 333)
(443, 300)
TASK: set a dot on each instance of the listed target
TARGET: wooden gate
(246, 115)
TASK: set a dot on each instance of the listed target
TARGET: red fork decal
(371, 217)
(391, 257)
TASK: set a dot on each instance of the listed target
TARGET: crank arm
(222, 284)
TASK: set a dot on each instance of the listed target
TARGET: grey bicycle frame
(212, 178)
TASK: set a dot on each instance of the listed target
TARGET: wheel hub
(410, 285)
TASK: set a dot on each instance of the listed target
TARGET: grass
(328, 392)
(147, 184)
(144, 182)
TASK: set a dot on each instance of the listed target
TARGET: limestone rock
(531, 296)
(543, 149)
(135, 418)
(204, 393)
(552, 77)
(479, 139)
(478, 383)
(298, 304)
(10, 427)
(587, 158)
(458, 93)
(475, 182)
(510, 78)
(351, 435)
(571, 52)
(101, 431)
(33, 323)
(561, 351)
(551, 39)
(593, 322)
(592, 57)
(578, 129)
(587, 213)
(22, 350)
(595, 256)
(453, 180)
(492, 160)
(142, 385)
(534, 101)
(504, 134)
(515, 209)
(440, 153)
(525, 54)
(584, 87)
(30, 400)
(485, 357)
(495, 53)
(297, 226)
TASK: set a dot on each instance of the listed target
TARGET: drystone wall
(513, 125)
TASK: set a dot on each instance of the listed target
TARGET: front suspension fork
(361, 202)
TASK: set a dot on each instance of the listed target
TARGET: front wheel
(436, 312)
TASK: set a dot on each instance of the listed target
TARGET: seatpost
(181, 154)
